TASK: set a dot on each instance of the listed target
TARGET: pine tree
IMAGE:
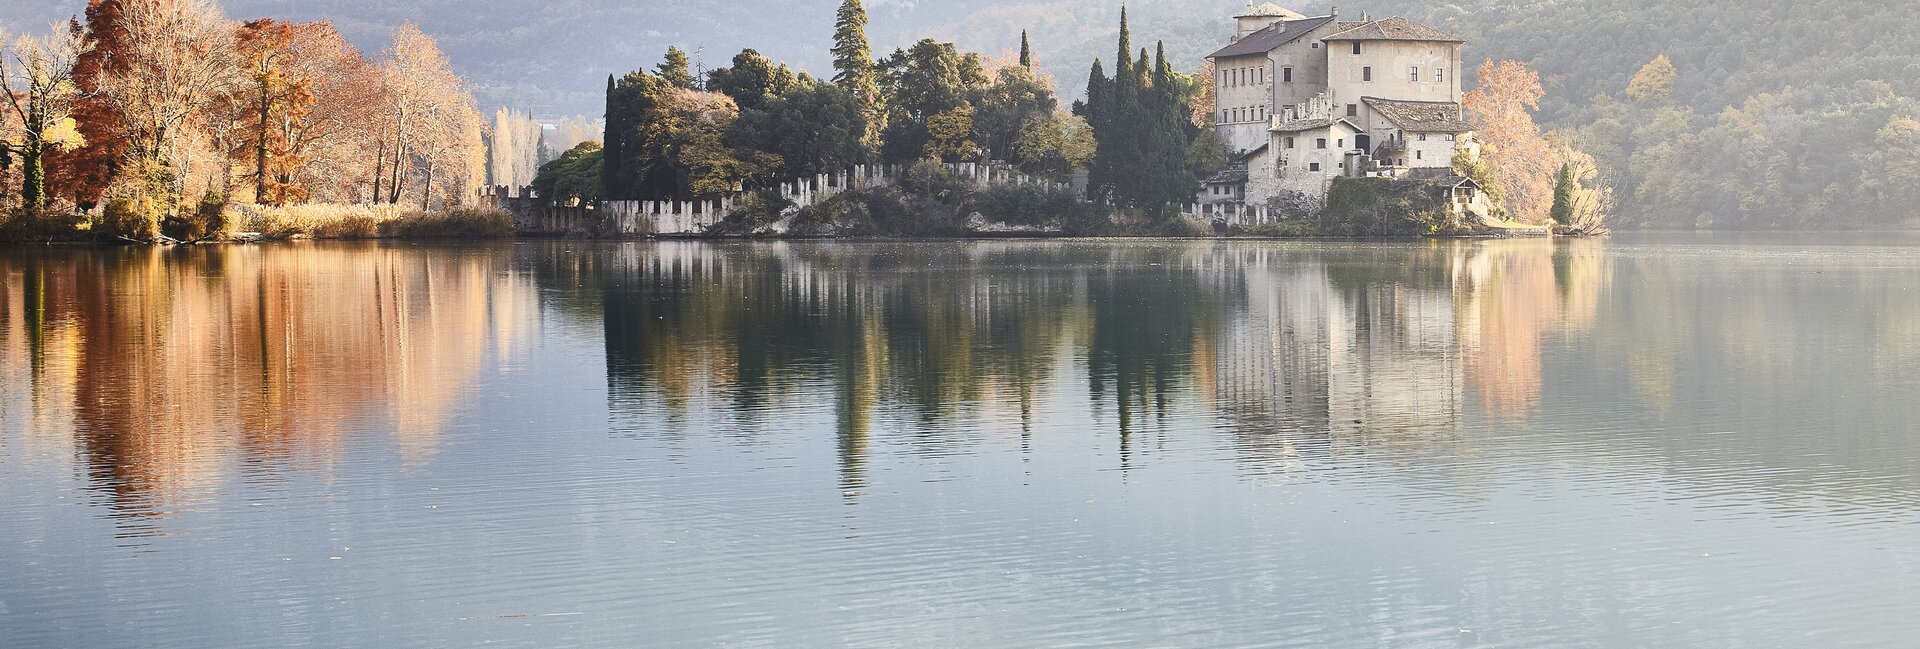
(854, 68)
(1026, 51)
(675, 69)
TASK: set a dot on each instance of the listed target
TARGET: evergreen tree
(613, 141)
(1563, 190)
(1026, 51)
(854, 68)
(675, 69)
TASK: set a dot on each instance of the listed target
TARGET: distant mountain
(552, 57)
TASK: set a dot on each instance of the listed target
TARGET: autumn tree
(1501, 112)
(1654, 82)
(429, 116)
(513, 153)
(36, 77)
(174, 57)
(82, 175)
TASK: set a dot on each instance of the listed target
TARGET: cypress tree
(613, 142)
(1122, 63)
(1026, 51)
(1097, 110)
(1563, 188)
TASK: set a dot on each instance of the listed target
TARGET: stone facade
(1383, 95)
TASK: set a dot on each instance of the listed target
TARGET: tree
(927, 80)
(813, 130)
(1563, 188)
(613, 136)
(753, 80)
(175, 55)
(855, 70)
(1208, 155)
(1654, 83)
(951, 135)
(1026, 51)
(1001, 114)
(575, 175)
(675, 71)
(515, 153)
(36, 75)
(429, 115)
(1500, 110)
(83, 175)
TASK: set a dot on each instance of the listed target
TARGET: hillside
(552, 57)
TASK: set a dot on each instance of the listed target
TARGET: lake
(1654, 440)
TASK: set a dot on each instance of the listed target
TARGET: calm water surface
(1652, 441)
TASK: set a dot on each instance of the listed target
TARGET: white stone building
(1302, 100)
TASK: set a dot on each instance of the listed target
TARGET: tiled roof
(1393, 29)
(1421, 116)
(1269, 10)
(1299, 125)
(1272, 36)
(1228, 177)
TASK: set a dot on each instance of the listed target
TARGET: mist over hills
(552, 57)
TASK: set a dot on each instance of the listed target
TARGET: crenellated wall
(536, 216)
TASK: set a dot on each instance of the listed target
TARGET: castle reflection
(166, 374)
(1339, 347)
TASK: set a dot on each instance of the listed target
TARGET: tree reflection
(186, 366)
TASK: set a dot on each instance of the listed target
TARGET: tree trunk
(260, 146)
(426, 190)
(33, 184)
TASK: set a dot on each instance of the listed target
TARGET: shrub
(1283, 229)
(1025, 205)
(132, 215)
(319, 221)
(460, 222)
(28, 226)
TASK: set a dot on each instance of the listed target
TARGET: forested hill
(553, 56)
(1778, 114)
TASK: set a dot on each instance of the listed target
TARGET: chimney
(1336, 13)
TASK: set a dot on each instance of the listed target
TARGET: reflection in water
(1347, 345)
(173, 369)
(1525, 443)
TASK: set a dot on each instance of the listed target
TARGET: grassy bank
(267, 223)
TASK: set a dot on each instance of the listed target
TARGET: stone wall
(537, 216)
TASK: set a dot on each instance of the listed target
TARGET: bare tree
(423, 95)
(37, 73)
(177, 57)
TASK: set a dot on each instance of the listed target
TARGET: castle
(1302, 100)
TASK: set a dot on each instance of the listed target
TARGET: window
(1223, 115)
(1316, 45)
(1286, 75)
(1356, 47)
(1320, 143)
(1439, 75)
(1289, 141)
(1413, 74)
(1450, 137)
(1342, 143)
(1419, 155)
(1353, 110)
(1263, 75)
(1313, 166)
(1366, 73)
(1423, 137)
